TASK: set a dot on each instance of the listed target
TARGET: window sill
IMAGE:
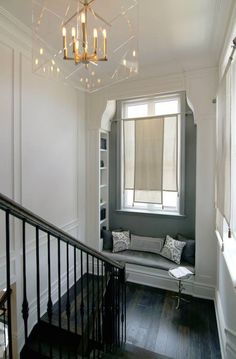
(150, 213)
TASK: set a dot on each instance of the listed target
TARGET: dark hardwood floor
(153, 323)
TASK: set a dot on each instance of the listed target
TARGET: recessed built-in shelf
(103, 176)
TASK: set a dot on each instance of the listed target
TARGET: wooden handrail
(13, 208)
(3, 298)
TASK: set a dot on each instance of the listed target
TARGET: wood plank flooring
(131, 352)
(153, 323)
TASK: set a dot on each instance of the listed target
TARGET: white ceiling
(174, 35)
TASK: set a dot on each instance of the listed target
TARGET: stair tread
(91, 283)
(56, 345)
(48, 340)
(129, 351)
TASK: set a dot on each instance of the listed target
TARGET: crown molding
(9, 24)
(20, 36)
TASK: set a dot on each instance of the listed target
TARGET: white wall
(42, 156)
(200, 87)
(225, 300)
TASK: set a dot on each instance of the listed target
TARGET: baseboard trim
(160, 279)
(220, 323)
(226, 335)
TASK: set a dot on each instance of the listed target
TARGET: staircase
(80, 295)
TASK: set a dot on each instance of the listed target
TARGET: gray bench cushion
(145, 259)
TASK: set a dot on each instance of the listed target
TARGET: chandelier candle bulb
(73, 38)
(73, 32)
(83, 29)
(104, 42)
(64, 42)
(95, 40)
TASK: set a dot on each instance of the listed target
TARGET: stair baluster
(8, 275)
(59, 279)
(68, 287)
(82, 300)
(49, 304)
(75, 289)
(93, 306)
(88, 301)
(25, 305)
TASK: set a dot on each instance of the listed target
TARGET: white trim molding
(227, 336)
(160, 279)
(230, 343)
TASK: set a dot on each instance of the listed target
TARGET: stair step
(48, 340)
(42, 346)
(90, 283)
(129, 351)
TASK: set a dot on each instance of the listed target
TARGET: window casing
(132, 110)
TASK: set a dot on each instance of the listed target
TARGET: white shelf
(103, 220)
(103, 182)
(103, 204)
(103, 185)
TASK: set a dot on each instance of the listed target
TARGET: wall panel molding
(22, 38)
(227, 336)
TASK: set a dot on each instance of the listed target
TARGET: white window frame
(146, 207)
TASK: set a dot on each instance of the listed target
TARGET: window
(226, 154)
(151, 132)
(233, 147)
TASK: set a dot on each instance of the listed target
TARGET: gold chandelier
(80, 51)
(90, 44)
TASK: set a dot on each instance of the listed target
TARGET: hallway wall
(42, 158)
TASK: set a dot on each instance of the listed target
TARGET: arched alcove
(200, 88)
(108, 115)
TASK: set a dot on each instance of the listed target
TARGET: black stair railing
(85, 290)
(4, 315)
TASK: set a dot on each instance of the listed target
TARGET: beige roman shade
(150, 157)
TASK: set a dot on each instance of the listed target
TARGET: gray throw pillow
(188, 254)
(107, 239)
(121, 241)
(172, 249)
(146, 244)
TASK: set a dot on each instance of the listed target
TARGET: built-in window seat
(158, 253)
(146, 259)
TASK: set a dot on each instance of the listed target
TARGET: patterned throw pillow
(121, 241)
(172, 249)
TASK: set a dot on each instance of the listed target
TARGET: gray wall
(156, 224)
